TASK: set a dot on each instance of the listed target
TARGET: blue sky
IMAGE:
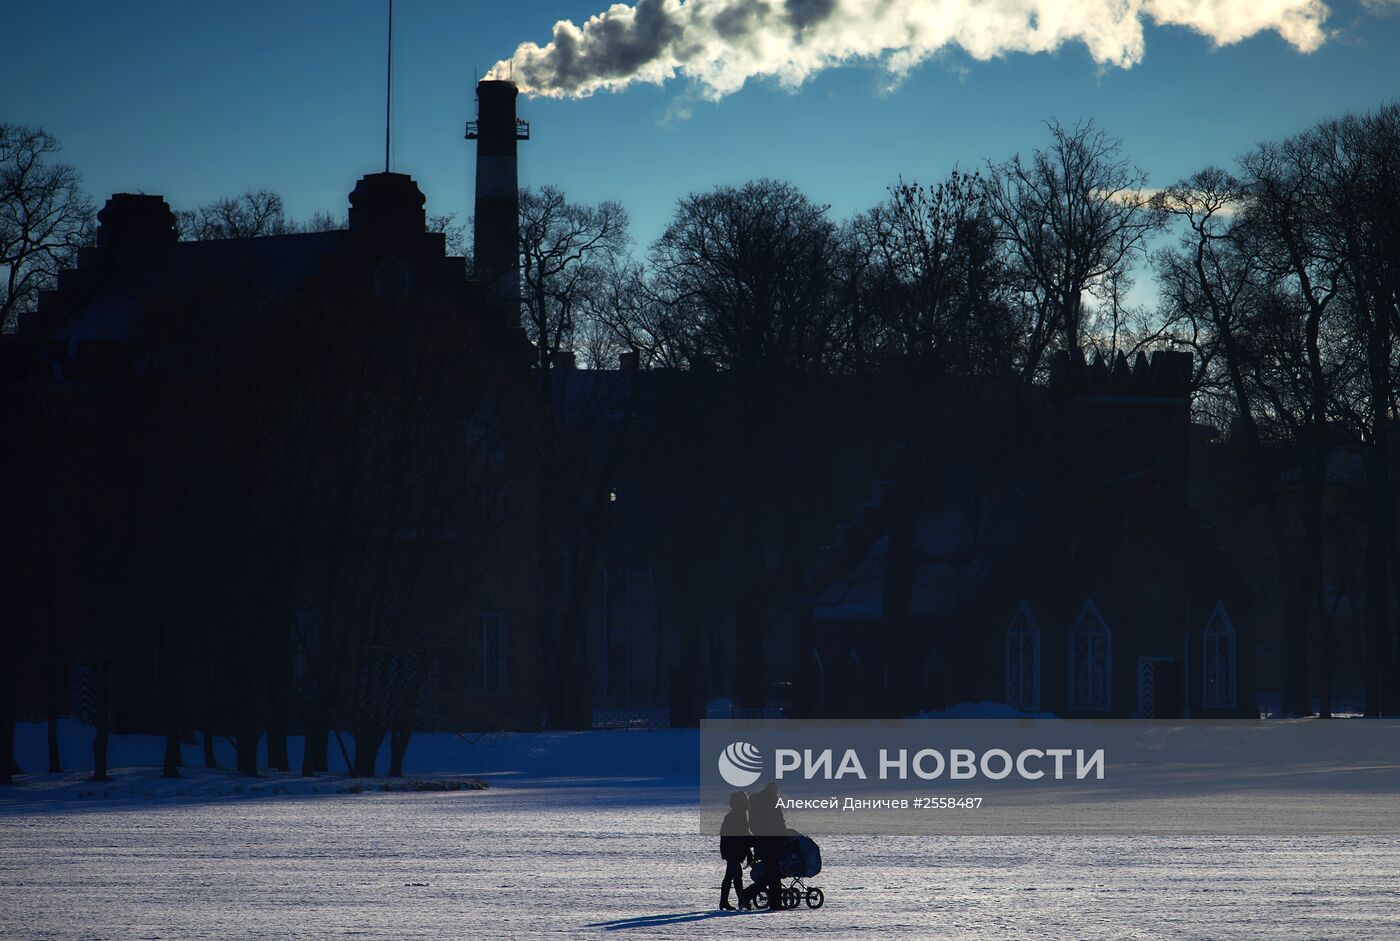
(198, 101)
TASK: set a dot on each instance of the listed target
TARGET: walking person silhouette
(734, 845)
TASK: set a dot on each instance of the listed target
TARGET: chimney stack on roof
(496, 229)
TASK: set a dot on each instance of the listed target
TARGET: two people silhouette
(753, 830)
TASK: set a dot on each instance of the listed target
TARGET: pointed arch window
(1090, 661)
(1023, 660)
(1218, 661)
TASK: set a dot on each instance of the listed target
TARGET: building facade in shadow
(280, 481)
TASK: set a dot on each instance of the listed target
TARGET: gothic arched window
(1023, 660)
(1090, 661)
(1218, 661)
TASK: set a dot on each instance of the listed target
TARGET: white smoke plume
(720, 44)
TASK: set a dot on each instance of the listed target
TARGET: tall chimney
(496, 230)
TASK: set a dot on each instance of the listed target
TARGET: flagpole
(389, 87)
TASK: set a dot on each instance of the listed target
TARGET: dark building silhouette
(143, 323)
(1069, 576)
(659, 605)
(340, 430)
(1076, 579)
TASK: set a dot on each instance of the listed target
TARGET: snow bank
(500, 758)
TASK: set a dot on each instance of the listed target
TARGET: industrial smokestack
(496, 229)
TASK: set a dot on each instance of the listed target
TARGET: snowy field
(539, 855)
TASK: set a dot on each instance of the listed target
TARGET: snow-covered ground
(611, 846)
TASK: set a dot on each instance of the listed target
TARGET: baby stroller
(801, 859)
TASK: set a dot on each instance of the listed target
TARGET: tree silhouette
(1074, 217)
(44, 218)
(746, 279)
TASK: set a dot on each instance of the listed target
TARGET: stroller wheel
(791, 898)
(760, 899)
(815, 898)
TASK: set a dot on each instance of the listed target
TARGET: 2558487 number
(946, 803)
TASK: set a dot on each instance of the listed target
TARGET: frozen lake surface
(598, 861)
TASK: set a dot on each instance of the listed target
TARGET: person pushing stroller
(769, 828)
(735, 844)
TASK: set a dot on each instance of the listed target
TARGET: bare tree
(934, 303)
(1284, 217)
(568, 253)
(566, 250)
(44, 218)
(1224, 299)
(248, 215)
(1074, 217)
(627, 314)
(324, 221)
(426, 527)
(746, 277)
(1349, 171)
(939, 298)
(1285, 283)
(453, 231)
